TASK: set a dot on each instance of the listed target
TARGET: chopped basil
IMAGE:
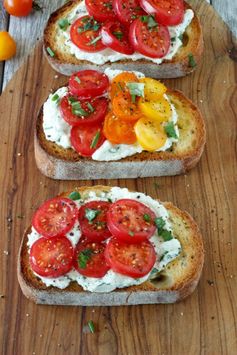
(120, 86)
(160, 223)
(118, 35)
(191, 61)
(146, 217)
(72, 99)
(77, 109)
(131, 233)
(89, 24)
(94, 40)
(55, 98)
(150, 20)
(181, 37)
(108, 5)
(91, 214)
(90, 107)
(136, 89)
(51, 53)
(95, 140)
(91, 326)
(109, 200)
(164, 233)
(74, 195)
(83, 257)
(77, 80)
(172, 39)
(170, 130)
(162, 256)
(154, 271)
(63, 24)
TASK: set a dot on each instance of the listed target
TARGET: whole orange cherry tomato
(7, 46)
(18, 8)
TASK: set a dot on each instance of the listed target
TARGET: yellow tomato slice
(153, 89)
(150, 134)
(159, 110)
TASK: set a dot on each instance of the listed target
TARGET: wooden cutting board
(205, 323)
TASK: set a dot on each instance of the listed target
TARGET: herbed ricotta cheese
(165, 251)
(108, 55)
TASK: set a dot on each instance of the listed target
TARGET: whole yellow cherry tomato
(7, 46)
(150, 134)
(159, 110)
(153, 89)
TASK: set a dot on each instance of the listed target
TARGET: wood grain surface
(206, 322)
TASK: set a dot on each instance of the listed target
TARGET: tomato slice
(80, 113)
(131, 221)
(127, 11)
(93, 220)
(119, 82)
(153, 89)
(167, 12)
(86, 139)
(118, 131)
(101, 10)
(55, 217)
(89, 259)
(134, 260)
(125, 108)
(88, 83)
(158, 110)
(150, 40)
(150, 134)
(85, 34)
(114, 36)
(51, 257)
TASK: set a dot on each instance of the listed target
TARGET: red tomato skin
(135, 39)
(114, 43)
(97, 266)
(66, 207)
(134, 260)
(55, 268)
(93, 83)
(100, 105)
(94, 8)
(125, 15)
(125, 210)
(18, 8)
(82, 137)
(162, 15)
(87, 228)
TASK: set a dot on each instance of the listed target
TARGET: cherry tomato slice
(85, 34)
(118, 131)
(18, 8)
(55, 217)
(150, 134)
(85, 140)
(81, 113)
(89, 259)
(131, 221)
(119, 82)
(88, 83)
(93, 220)
(134, 260)
(168, 13)
(101, 10)
(153, 42)
(114, 36)
(125, 108)
(51, 257)
(127, 11)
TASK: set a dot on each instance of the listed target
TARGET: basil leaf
(50, 51)
(55, 98)
(91, 214)
(136, 89)
(91, 326)
(146, 217)
(170, 130)
(83, 257)
(74, 195)
(166, 235)
(95, 140)
(191, 61)
(63, 24)
(160, 223)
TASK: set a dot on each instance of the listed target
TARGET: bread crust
(174, 284)
(59, 163)
(178, 66)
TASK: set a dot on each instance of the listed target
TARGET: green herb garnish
(170, 130)
(74, 195)
(154, 271)
(136, 89)
(164, 233)
(118, 35)
(120, 86)
(76, 107)
(90, 107)
(94, 41)
(83, 257)
(181, 37)
(162, 256)
(63, 24)
(160, 223)
(146, 217)
(131, 233)
(51, 53)
(55, 98)
(108, 5)
(95, 140)
(91, 214)
(91, 326)
(191, 61)
(150, 20)
(89, 24)
(78, 80)
(109, 200)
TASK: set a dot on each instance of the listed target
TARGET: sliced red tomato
(118, 131)
(101, 10)
(85, 140)
(89, 259)
(55, 217)
(114, 36)
(88, 83)
(51, 257)
(93, 220)
(127, 11)
(167, 12)
(150, 40)
(134, 260)
(85, 34)
(131, 221)
(80, 113)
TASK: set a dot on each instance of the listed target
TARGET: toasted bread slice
(59, 163)
(177, 281)
(66, 63)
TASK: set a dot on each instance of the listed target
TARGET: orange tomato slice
(124, 107)
(150, 134)
(118, 131)
(118, 83)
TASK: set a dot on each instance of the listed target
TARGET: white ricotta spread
(57, 130)
(108, 55)
(165, 251)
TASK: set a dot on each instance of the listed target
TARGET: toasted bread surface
(66, 63)
(177, 281)
(59, 163)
